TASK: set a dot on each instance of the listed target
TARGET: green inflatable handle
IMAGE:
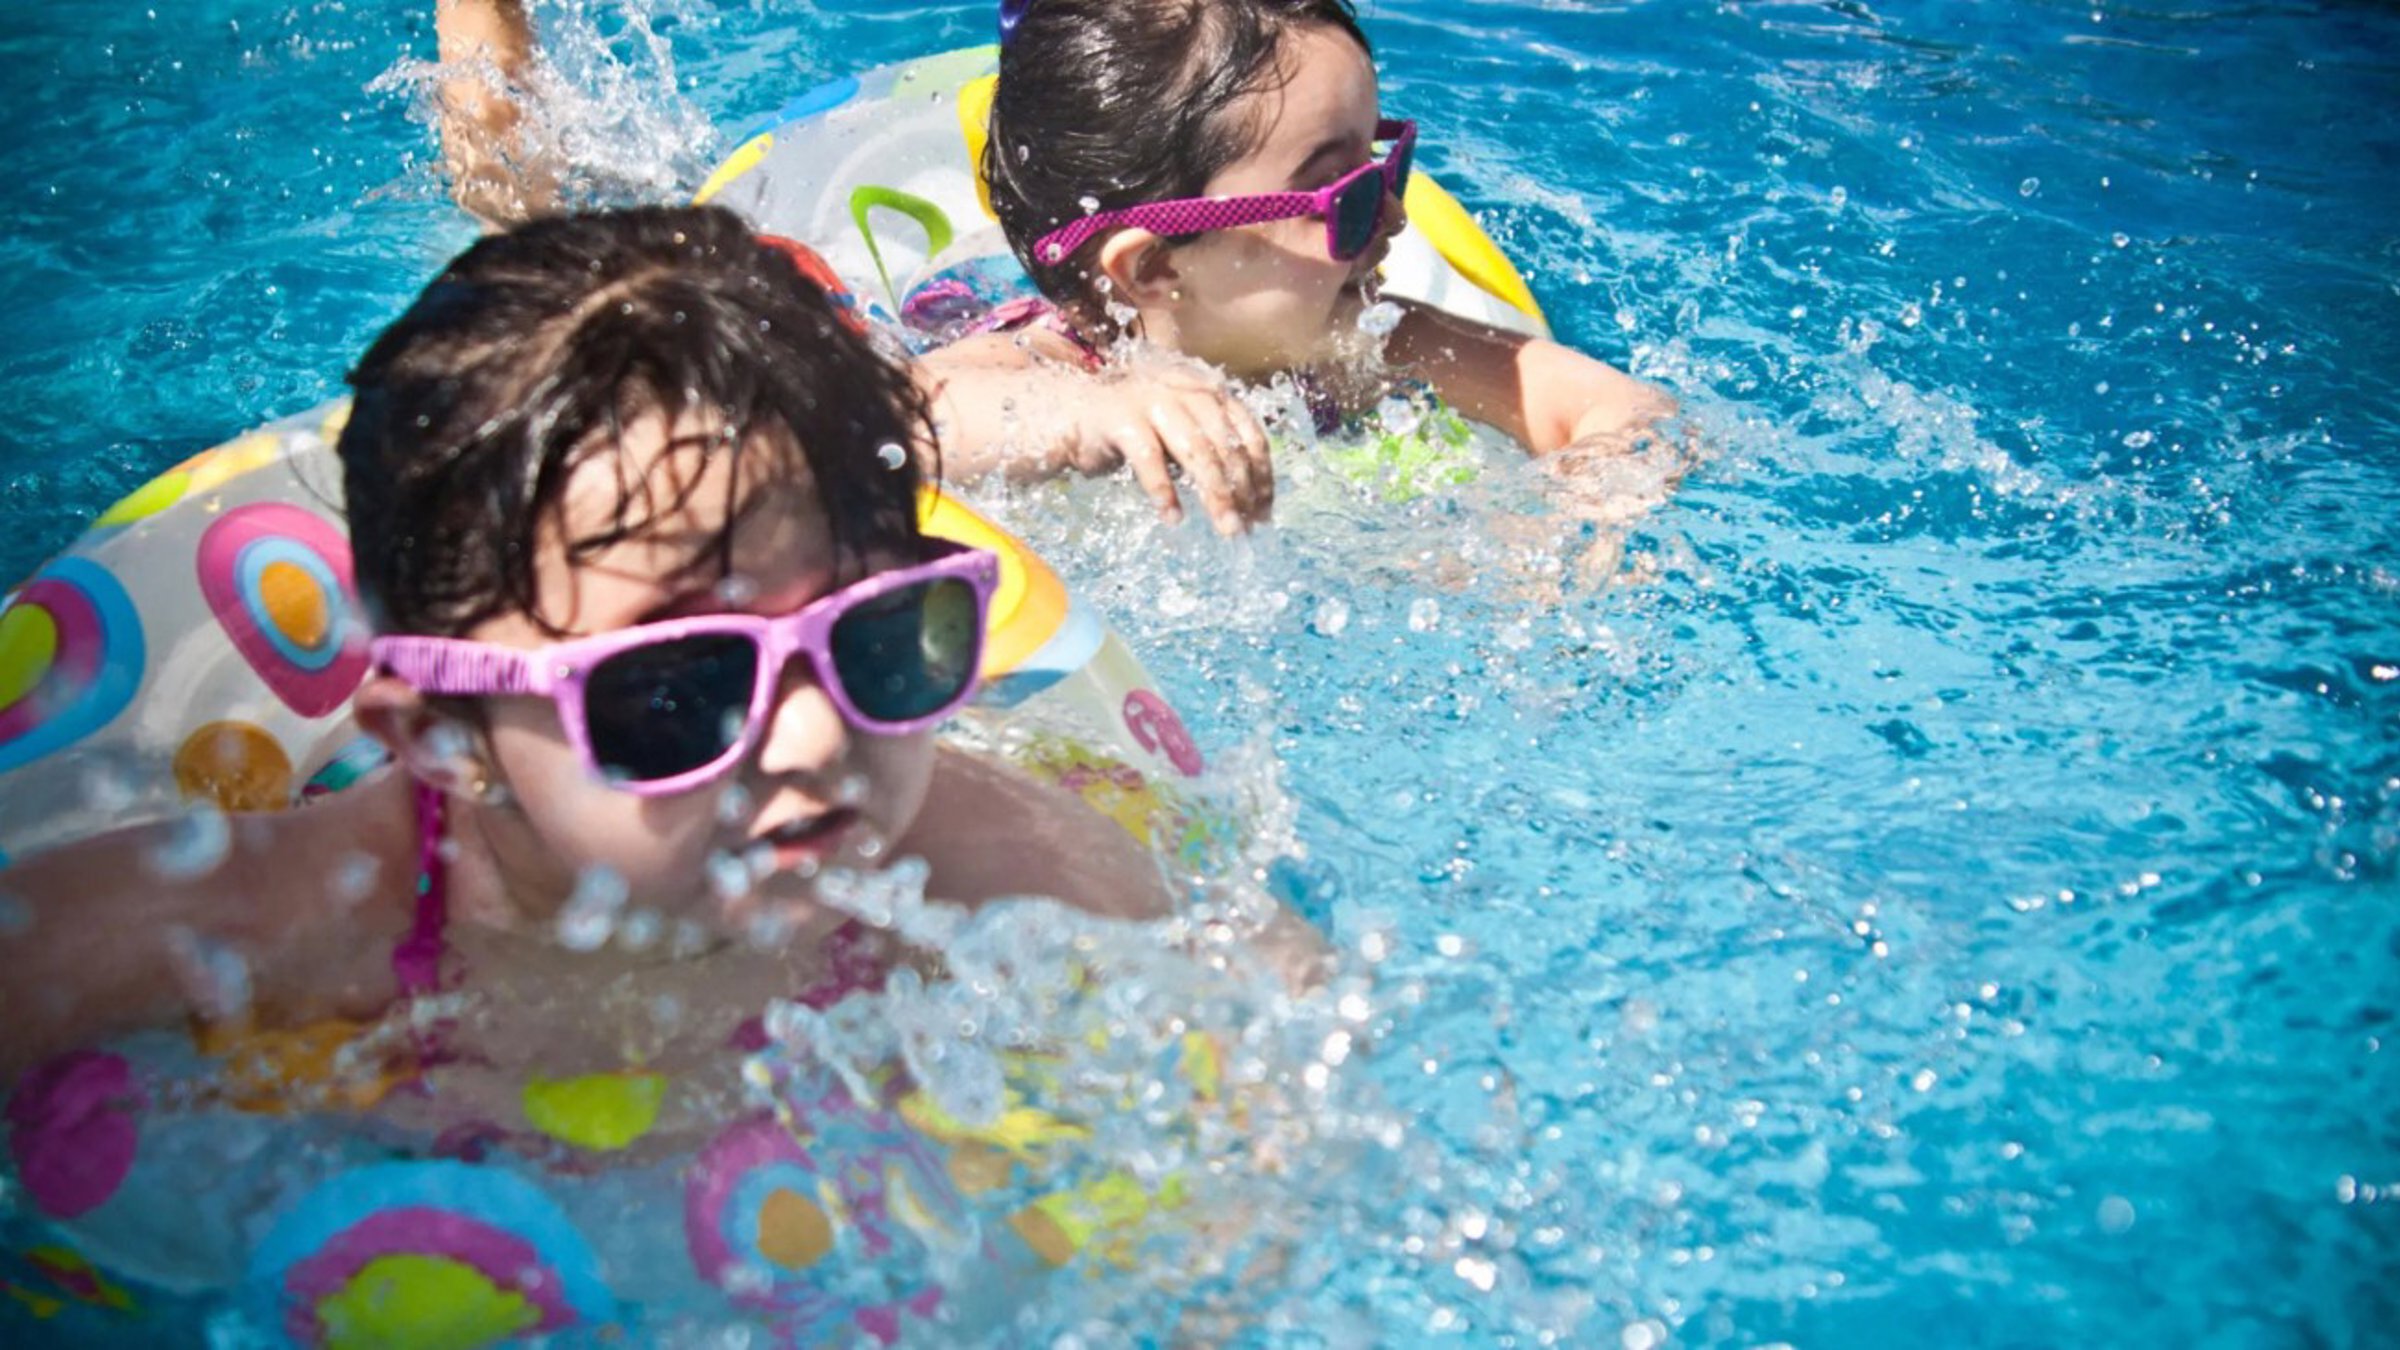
(929, 218)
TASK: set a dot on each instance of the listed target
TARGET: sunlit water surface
(1934, 877)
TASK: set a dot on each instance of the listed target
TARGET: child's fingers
(1142, 451)
(1249, 440)
(1217, 417)
(1204, 462)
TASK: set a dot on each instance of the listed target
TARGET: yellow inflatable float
(879, 173)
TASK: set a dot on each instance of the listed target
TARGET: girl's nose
(805, 733)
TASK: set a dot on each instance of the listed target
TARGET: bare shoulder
(989, 830)
(1016, 349)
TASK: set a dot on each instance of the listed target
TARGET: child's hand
(1023, 404)
(1165, 422)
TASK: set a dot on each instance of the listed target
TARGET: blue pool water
(1941, 887)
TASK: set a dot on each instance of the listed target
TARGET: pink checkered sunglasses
(661, 708)
(1351, 206)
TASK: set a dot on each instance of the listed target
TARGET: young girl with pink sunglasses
(1218, 178)
(660, 635)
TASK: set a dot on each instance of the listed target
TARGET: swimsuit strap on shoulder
(1033, 311)
(417, 961)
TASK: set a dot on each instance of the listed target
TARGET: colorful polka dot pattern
(71, 657)
(1154, 725)
(277, 578)
(382, 1254)
(768, 1202)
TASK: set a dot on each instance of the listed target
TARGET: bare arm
(487, 49)
(1545, 395)
(149, 925)
(1022, 404)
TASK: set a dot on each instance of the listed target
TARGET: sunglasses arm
(443, 666)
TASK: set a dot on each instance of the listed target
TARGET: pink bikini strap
(417, 961)
(1033, 312)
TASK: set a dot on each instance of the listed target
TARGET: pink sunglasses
(662, 708)
(1351, 206)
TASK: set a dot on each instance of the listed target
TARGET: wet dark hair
(531, 353)
(1111, 103)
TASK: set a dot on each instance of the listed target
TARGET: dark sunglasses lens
(910, 653)
(1356, 213)
(1405, 164)
(669, 708)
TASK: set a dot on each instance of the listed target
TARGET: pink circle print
(277, 577)
(1157, 729)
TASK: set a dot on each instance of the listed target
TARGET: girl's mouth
(808, 844)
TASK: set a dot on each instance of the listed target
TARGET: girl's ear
(1140, 267)
(434, 747)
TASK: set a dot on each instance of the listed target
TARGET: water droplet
(743, 1280)
(1838, 198)
(729, 877)
(215, 977)
(109, 787)
(1424, 614)
(1332, 616)
(2120, 239)
(892, 455)
(354, 878)
(688, 939)
(733, 804)
(1379, 319)
(2139, 440)
(1400, 416)
(640, 931)
(193, 846)
(851, 790)
(447, 743)
(768, 928)
(1089, 204)
(589, 917)
(2029, 187)
(736, 591)
(2116, 1214)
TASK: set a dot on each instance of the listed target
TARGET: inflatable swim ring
(880, 173)
(200, 644)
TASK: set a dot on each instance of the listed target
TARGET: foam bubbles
(589, 917)
(1379, 319)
